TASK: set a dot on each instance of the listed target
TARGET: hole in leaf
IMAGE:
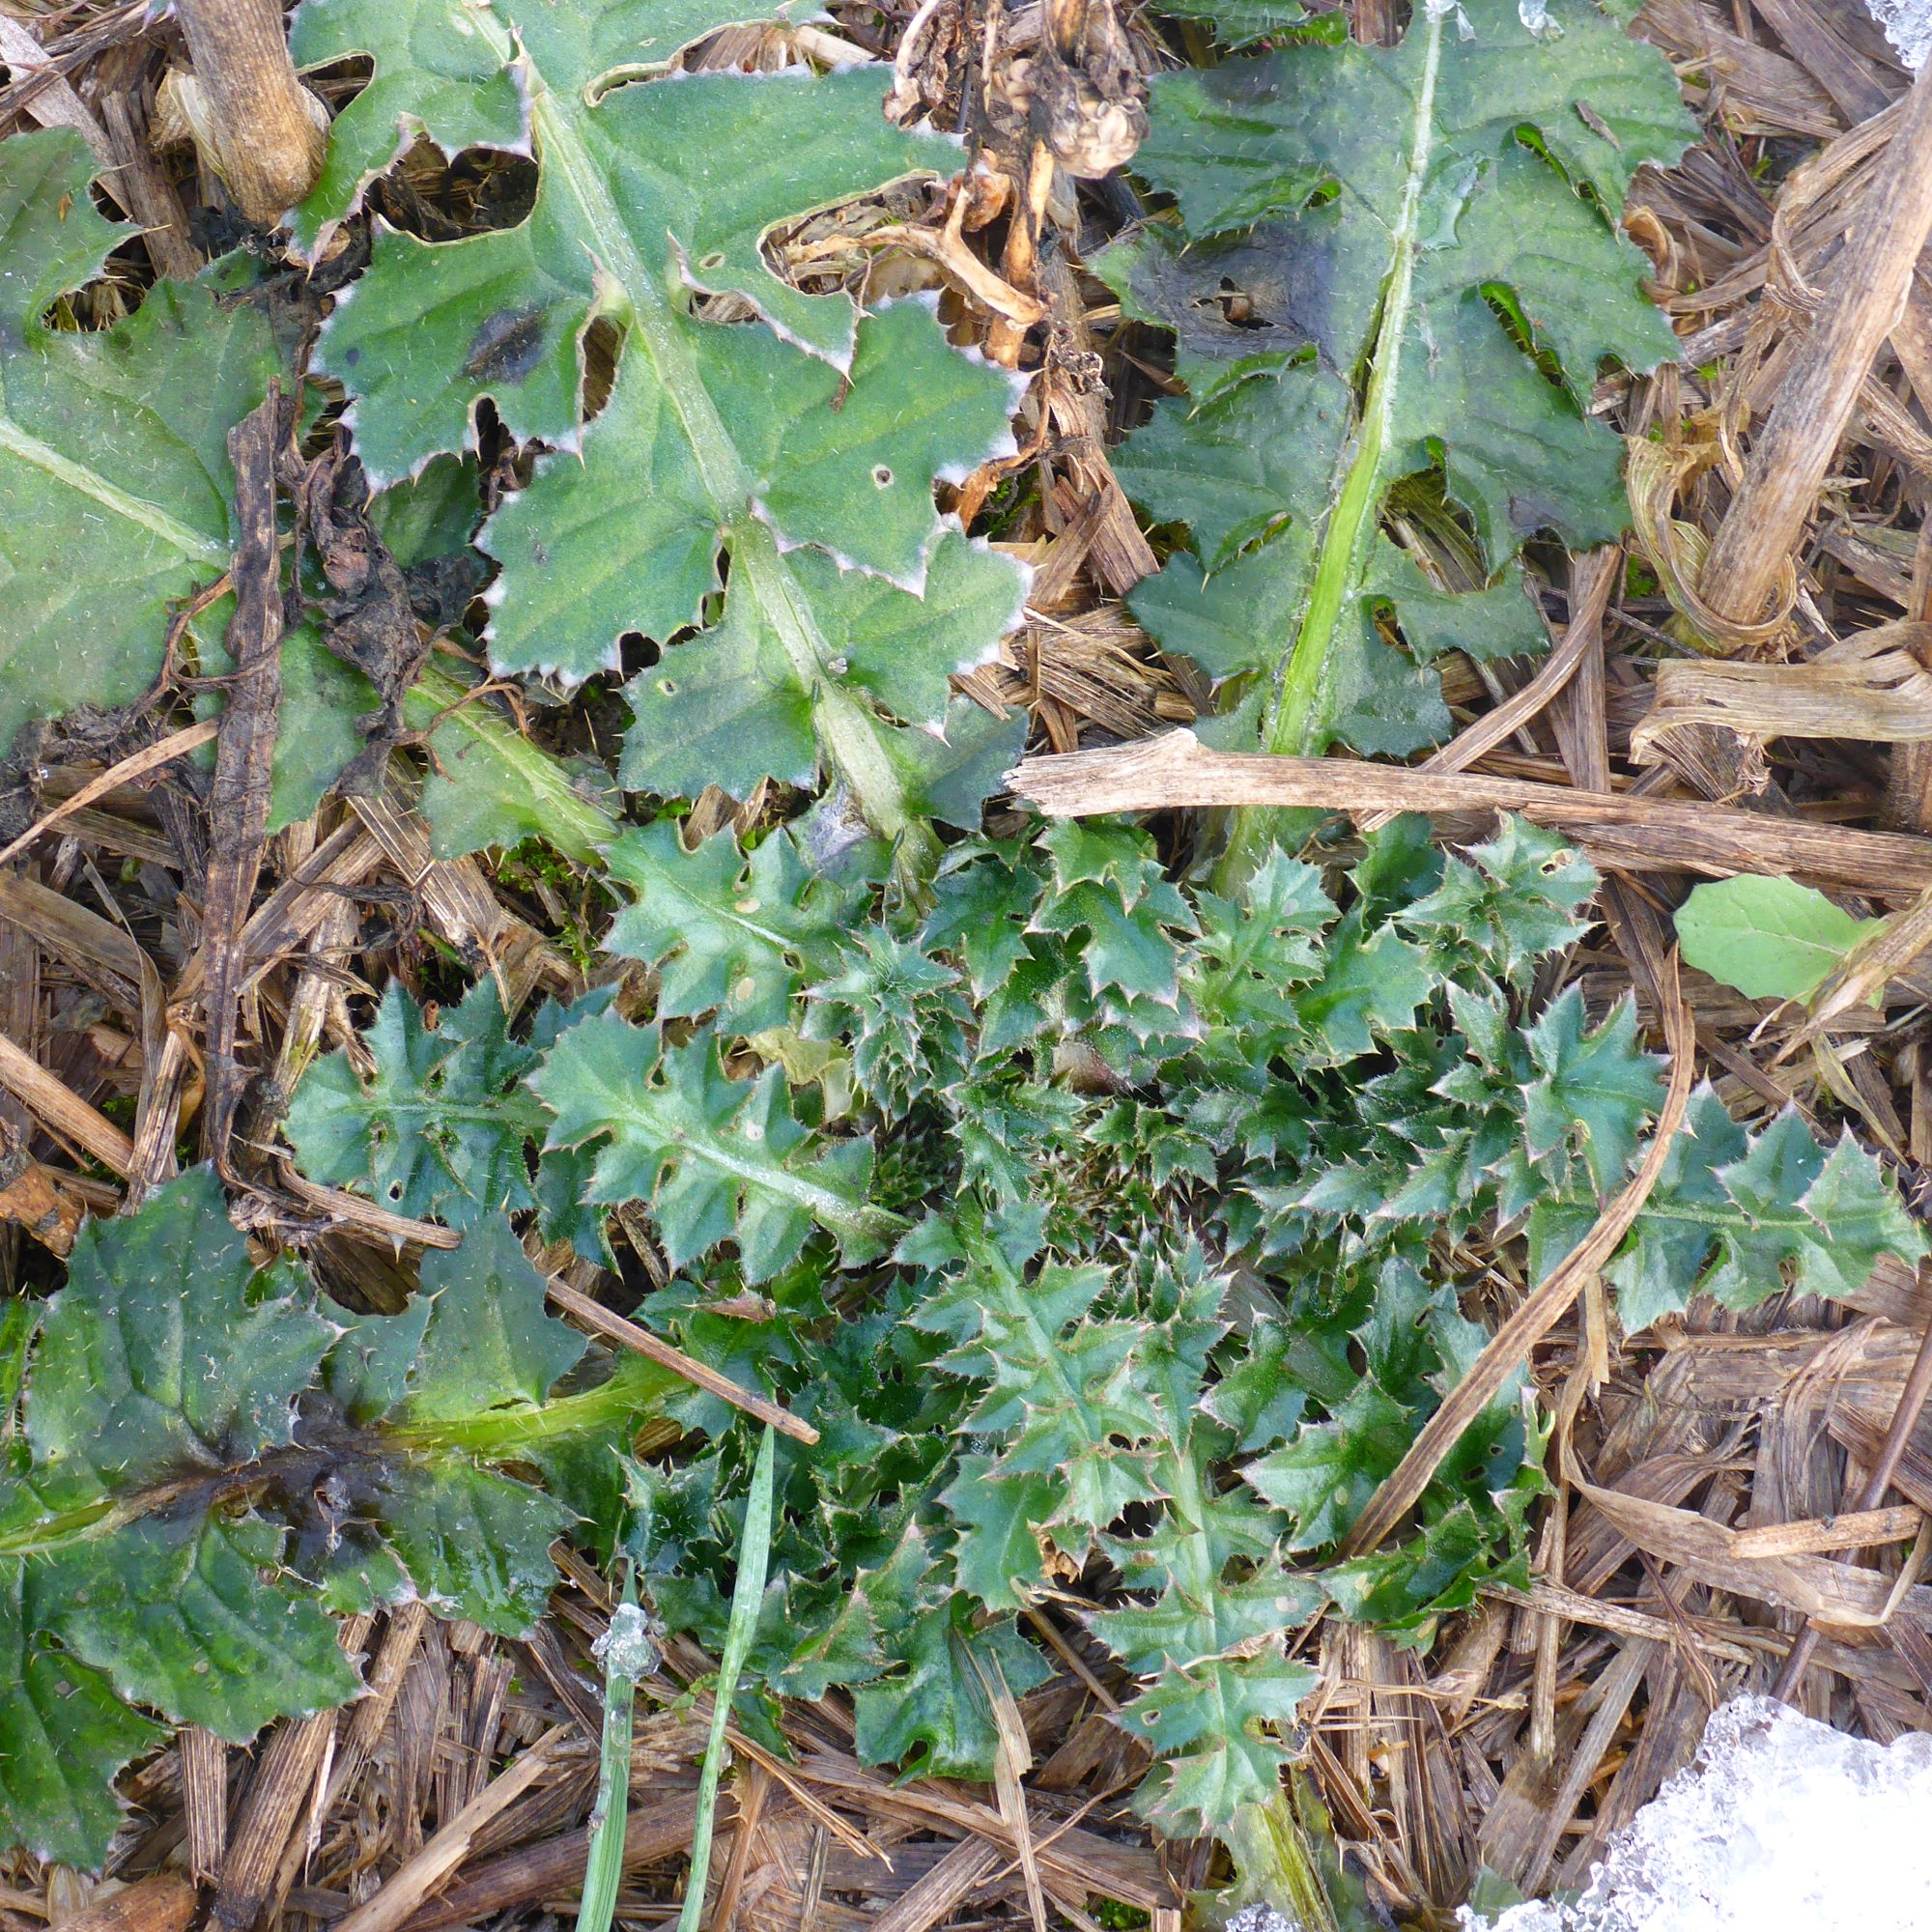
(603, 347)
(490, 188)
(714, 259)
(882, 477)
(1507, 310)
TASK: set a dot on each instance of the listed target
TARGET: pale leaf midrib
(1299, 714)
(192, 544)
(830, 1210)
(849, 736)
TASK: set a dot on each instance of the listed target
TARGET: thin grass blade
(629, 1652)
(754, 1553)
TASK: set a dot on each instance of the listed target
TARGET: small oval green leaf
(1772, 939)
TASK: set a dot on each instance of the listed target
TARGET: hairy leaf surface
(1387, 261)
(114, 473)
(800, 448)
(206, 1458)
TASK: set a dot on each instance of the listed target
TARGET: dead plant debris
(1737, 1500)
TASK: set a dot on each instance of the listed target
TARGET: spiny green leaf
(1369, 206)
(935, 1714)
(1596, 1085)
(997, 1518)
(1408, 1344)
(205, 1464)
(369, 1368)
(163, 1355)
(981, 900)
(444, 1125)
(1226, 1705)
(1211, 1600)
(1825, 1219)
(1326, 1476)
(1771, 938)
(427, 73)
(577, 1439)
(114, 475)
(1668, 1249)
(901, 1012)
(1109, 891)
(1207, 1640)
(1854, 1205)
(829, 1644)
(1252, 953)
(1369, 987)
(1040, 1372)
(441, 1126)
(1059, 1396)
(1010, 1134)
(1517, 902)
(63, 1735)
(489, 1339)
(1742, 1217)
(476, 1544)
(190, 1614)
(951, 771)
(727, 933)
(714, 1159)
(727, 707)
(806, 427)
(1261, 1397)
(432, 514)
(1438, 1569)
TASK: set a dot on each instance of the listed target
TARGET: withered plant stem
(1789, 460)
(263, 122)
(1904, 1419)
(1629, 832)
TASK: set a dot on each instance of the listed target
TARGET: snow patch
(629, 1648)
(1780, 1823)
(1908, 26)
(1261, 1918)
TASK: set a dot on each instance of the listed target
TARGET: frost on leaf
(114, 474)
(1388, 264)
(210, 1458)
(793, 453)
